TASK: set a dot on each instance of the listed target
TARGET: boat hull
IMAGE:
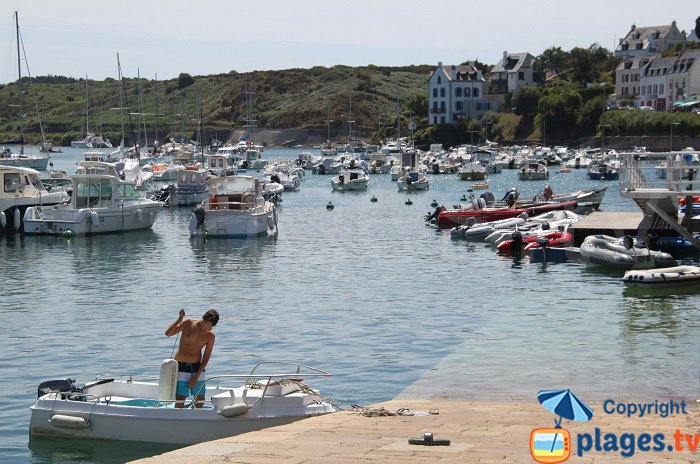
(234, 224)
(33, 162)
(458, 218)
(156, 425)
(60, 221)
(678, 276)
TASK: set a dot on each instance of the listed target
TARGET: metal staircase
(656, 190)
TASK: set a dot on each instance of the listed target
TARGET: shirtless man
(191, 363)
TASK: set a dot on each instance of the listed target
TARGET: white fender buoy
(139, 215)
(3, 219)
(69, 422)
(270, 223)
(95, 219)
(167, 381)
(234, 410)
(18, 219)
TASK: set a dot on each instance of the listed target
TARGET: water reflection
(232, 254)
(74, 450)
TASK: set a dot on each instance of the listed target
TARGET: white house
(627, 82)
(457, 92)
(513, 71)
(653, 87)
(683, 78)
(645, 41)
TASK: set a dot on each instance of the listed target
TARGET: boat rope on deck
(381, 411)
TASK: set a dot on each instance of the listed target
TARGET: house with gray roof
(513, 71)
(457, 92)
(644, 41)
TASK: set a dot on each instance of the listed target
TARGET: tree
(525, 100)
(553, 59)
(184, 80)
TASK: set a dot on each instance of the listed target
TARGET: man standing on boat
(196, 335)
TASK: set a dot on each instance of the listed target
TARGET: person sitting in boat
(196, 335)
(548, 192)
(511, 197)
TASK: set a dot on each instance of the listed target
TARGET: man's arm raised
(176, 327)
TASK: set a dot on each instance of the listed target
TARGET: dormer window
(439, 80)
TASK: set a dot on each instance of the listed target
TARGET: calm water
(367, 291)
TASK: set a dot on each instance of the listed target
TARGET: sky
(168, 37)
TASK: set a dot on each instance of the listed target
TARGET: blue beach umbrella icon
(565, 404)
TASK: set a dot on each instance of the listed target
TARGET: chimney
(505, 57)
(633, 27)
(439, 64)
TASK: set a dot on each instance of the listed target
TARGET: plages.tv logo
(552, 445)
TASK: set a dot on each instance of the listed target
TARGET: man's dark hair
(211, 316)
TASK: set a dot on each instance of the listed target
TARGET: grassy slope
(293, 98)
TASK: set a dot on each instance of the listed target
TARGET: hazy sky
(78, 37)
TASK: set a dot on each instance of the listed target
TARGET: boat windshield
(36, 183)
(93, 193)
(128, 190)
(11, 182)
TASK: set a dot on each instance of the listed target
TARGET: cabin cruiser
(252, 159)
(351, 179)
(533, 171)
(21, 189)
(413, 179)
(235, 208)
(472, 170)
(125, 408)
(190, 189)
(220, 165)
(100, 203)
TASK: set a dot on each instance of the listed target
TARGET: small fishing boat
(533, 171)
(128, 409)
(235, 208)
(677, 276)
(602, 171)
(413, 180)
(352, 179)
(624, 253)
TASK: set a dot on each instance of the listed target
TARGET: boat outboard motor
(488, 197)
(436, 168)
(275, 178)
(200, 215)
(652, 242)
(60, 385)
(436, 213)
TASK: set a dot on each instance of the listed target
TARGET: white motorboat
(622, 253)
(166, 172)
(191, 188)
(327, 166)
(488, 161)
(352, 179)
(100, 203)
(220, 165)
(272, 191)
(128, 409)
(235, 208)
(138, 174)
(677, 276)
(378, 164)
(253, 159)
(533, 171)
(472, 170)
(22, 188)
(413, 180)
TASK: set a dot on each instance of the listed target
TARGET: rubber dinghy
(678, 276)
(622, 253)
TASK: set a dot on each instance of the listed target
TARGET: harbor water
(367, 291)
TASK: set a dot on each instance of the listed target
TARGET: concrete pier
(478, 432)
(615, 224)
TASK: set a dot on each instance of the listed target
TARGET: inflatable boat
(678, 276)
(622, 253)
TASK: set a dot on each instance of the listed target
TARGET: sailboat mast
(19, 86)
(398, 116)
(121, 99)
(87, 108)
(156, 89)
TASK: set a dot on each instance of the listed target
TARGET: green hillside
(292, 98)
